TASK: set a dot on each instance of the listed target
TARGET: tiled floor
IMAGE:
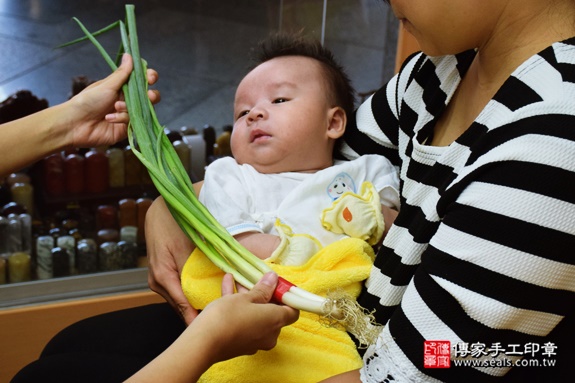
(199, 47)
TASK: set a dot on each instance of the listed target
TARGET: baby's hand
(356, 215)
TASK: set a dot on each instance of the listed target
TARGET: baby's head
(291, 107)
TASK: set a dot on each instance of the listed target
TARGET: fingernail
(270, 279)
(124, 56)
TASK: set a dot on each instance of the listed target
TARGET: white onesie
(243, 200)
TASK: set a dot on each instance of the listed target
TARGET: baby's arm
(260, 244)
(389, 215)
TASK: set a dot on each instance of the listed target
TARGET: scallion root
(341, 310)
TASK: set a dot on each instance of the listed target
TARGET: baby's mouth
(258, 135)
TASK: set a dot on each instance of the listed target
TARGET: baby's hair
(295, 44)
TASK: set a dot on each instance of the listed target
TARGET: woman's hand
(234, 325)
(243, 323)
(98, 115)
(168, 249)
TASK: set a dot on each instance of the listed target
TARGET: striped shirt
(482, 251)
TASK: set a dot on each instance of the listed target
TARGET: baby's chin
(283, 168)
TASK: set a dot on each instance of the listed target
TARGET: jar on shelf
(183, 151)
(16, 178)
(60, 262)
(44, 246)
(53, 178)
(133, 168)
(74, 173)
(110, 257)
(14, 237)
(4, 233)
(26, 227)
(68, 243)
(5, 195)
(116, 171)
(96, 175)
(86, 256)
(107, 217)
(107, 235)
(127, 212)
(143, 205)
(23, 194)
(128, 254)
(3, 270)
(19, 265)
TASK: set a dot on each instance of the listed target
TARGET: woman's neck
(515, 38)
(524, 29)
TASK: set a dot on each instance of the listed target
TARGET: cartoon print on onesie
(350, 214)
(342, 183)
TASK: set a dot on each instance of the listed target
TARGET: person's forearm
(32, 138)
(180, 362)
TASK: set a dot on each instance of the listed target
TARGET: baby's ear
(336, 122)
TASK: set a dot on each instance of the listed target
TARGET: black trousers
(106, 348)
(111, 347)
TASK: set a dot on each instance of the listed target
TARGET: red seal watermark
(436, 354)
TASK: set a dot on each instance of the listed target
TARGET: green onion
(153, 148)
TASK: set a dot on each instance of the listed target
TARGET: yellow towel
(307, 351)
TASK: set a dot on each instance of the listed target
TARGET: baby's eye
(242, 113)
(279, 100)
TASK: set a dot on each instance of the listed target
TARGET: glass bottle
(129, 234)
(5, 195)
(143, 205)
(183, 151)
(23, 194)
(19, 267)
(128, 254)
(14, 240)
(106, 217)
(44, 246)
(96, 173)
(107, 235)
(60, 262)
(4, 232)
(110, 258)
(3, 270)
(53, 178)
(74, 168)
(87, 256)
(133, 168)
(26, 227)
(18, 178)
(128, 213)
(68, 243)
(116, 167)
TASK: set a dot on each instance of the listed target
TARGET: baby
(282, 195)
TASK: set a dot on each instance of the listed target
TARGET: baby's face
(282, 115)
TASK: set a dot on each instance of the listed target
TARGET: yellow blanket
(307, 351)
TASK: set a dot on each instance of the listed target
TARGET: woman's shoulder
(539, 95)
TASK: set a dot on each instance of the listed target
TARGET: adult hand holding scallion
(150, 144)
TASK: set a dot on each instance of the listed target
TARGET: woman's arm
(94, 117)
(168, 248)
(234, 325)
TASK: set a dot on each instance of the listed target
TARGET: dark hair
(295, 44)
